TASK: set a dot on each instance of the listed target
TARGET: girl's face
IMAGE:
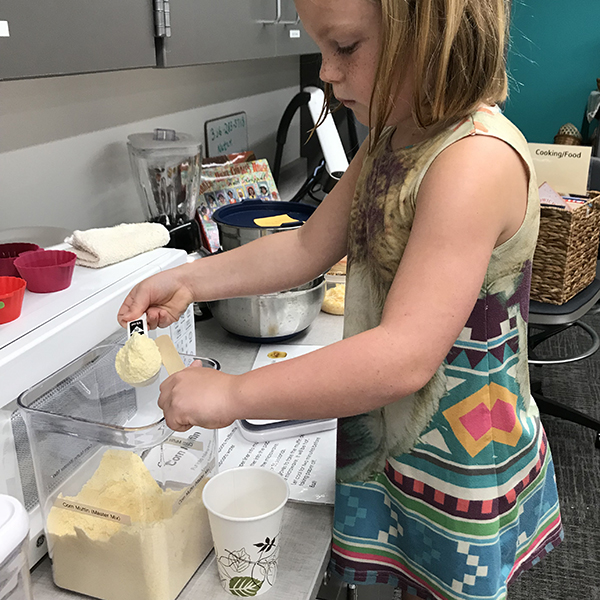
(348, 33)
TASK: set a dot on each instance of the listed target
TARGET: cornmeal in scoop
(138, 360)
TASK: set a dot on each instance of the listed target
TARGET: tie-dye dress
(448, 493)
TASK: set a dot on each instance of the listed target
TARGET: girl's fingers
(153, 317)
(174, 421)
(175, 425)
(133, 307)
(164, 318)
(164, 400)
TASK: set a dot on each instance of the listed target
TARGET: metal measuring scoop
(145, 383)
(141, 326)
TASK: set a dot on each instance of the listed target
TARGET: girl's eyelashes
(347, 49)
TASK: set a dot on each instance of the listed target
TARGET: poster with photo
(231, 196)
(228, 184)
(264, 191)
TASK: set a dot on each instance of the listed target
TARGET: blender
(166, 167)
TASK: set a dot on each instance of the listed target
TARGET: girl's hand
(197, 396)
(163, 297)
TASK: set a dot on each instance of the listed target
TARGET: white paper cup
(245, 507)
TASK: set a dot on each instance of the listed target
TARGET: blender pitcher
(166, 166)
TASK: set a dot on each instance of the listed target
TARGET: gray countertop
(237, 356)
(306, 529)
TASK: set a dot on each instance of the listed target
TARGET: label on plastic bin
(186, 443)
(92, 511)
(190, 489)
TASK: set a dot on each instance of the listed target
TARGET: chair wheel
(598, 440)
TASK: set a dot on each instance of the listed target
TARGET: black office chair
(549, 320)
(594, 176)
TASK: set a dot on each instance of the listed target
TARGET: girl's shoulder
(489, 121)
(486, 121)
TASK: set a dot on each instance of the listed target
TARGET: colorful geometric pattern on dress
(480, 506)
(472, 500)
(420, 543)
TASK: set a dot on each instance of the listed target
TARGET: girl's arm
(473, 198)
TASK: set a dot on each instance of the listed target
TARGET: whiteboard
(226, 134)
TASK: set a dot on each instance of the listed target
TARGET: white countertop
(306, 529)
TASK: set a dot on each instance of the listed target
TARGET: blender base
(185, 237)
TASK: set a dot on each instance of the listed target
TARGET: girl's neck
(407, 133)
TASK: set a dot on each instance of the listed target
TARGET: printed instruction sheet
(307, 462)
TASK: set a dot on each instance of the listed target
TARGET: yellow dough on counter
(138, 360)
(334, 300)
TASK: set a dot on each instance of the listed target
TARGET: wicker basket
(567, 251)
(567, 140)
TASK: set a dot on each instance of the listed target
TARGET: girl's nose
(330, 72)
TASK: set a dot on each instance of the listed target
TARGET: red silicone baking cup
(12, 290)
(46, 271)
(8, 253)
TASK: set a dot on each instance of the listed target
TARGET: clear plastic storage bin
(15, 583)
(121, 493)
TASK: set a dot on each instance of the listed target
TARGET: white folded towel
(98, 248)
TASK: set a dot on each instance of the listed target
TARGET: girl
(445, 480)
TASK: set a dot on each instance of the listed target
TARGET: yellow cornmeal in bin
(150, 555)
(138, 360)
(121, 484)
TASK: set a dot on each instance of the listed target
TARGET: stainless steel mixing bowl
(271, 317)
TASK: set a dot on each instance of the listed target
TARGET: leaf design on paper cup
(2, 305)
(268, 567)
(267, 545)
(238, 560)
(244, 586)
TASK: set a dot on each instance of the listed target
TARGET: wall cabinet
(58, 37)
(291, 35)
(209, 32)
(293, 39)
(217, 31)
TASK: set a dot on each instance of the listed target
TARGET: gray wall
(63, 155)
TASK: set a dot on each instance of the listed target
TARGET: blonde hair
(458, 49)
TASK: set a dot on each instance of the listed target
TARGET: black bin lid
(243, 213)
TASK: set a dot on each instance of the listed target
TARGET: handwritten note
(227, 134)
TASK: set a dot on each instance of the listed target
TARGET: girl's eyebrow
(337, 28)
(336, 31)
